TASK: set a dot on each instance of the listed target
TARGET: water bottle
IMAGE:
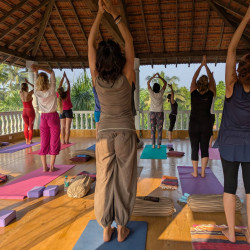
(66, 183)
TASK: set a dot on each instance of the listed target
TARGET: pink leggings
(50, 134)
(28, 118)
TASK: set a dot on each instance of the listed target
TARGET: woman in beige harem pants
(116, 149)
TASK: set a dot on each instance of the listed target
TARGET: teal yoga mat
(154, 153)
(92, 237)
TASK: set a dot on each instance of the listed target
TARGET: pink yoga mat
(17, 189)
(63, 146)
(214, 154)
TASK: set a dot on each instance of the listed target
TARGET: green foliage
(81, 93)
(220, 96)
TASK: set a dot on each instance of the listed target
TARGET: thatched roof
(54, 32)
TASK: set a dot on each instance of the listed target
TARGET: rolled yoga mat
(63, 146)
(17, 189)
(191, 185)
(17, 147)
(154, 153)
(92, 237)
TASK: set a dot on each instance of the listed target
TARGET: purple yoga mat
(191, 185)
(17, 147)
(214, 154)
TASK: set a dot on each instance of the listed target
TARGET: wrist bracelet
(117, 18)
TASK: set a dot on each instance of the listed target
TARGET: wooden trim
(6, 32)
(192, 26)
(207, 25)
(43, 26)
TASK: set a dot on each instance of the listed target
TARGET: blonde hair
(42, 82)
(62, 96)
(202, 83)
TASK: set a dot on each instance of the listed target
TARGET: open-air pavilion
(54, 33)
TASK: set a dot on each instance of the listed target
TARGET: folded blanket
(169, 182)
(3, 178)
(92, 176)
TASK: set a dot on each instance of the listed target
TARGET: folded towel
(169, 182)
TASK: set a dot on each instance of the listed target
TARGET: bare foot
(53, 169)
(27, 141)
(107, 233)
(230, 235)
(68, 142)
(123, 233)
(63, 142)
(194, 175)
(247, 234)
(158, 146)
(203, 175)
(45, 169)
(153, 146)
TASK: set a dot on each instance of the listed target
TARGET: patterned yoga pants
(156, 120)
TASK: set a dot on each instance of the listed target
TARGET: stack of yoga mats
(169, 182)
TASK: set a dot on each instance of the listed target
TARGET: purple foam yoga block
(51, 190)
(35, 192)
(6, 216)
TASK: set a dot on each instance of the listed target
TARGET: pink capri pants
(50, 134)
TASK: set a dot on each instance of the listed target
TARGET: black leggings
(172, 119)
(230, 170)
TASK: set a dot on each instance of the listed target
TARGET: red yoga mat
(17, 189)
(63, 146)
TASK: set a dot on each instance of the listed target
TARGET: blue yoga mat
(91, 147)
(154, 153)
(92, 237)
(17, 147)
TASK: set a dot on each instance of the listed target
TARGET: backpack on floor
(79, 187)
(3, 178)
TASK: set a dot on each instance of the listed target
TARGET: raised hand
(107, 5)
(100, 5)
(204, 60)
(34, 67)
(248, 13)
(26, 80)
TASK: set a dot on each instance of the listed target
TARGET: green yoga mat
(154, 153)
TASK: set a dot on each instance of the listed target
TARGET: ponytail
(62, 96)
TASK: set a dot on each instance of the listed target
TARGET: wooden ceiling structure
(55, 32)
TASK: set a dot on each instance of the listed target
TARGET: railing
(11, 122)
(85, 120)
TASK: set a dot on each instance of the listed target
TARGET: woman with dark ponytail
(28, 110)
(65, 108)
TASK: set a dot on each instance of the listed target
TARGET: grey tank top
(115, 102)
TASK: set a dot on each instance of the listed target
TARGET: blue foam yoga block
(51, 190)
(6, 216)
(35, 192)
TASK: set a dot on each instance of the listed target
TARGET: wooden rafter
(227, 7)
(14, 60)
(5, 57)
(10, 52)
(223, 15)
(144, 25)
(24, 32)
(220, 41)
(60, 45)
(242, 2)
(43, 26)
(161, 25)
(27, 41)
(107, 20)
(78, 20)
(206, 31)
(21, 20)
(14, 9)
(66, 29)
(47, 44)
(177, 27)
(192, 25)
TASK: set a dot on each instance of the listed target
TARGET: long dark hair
(202, 83)
(24, 87)
(109, 60)
(156, 87)
(62, 96)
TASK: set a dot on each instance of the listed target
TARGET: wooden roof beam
(26, 42)
(5, 57)
(14, 9)
(206, 31)
(161, 26)
(107, 20)
(78, 20)
(227, 7)
(6, 32)
(177, 28)
(242, 3)
(144, 25)
(43, 26)
(57, 39)
(223, 15)
(47, 44)
(10, 52)
(66, 28)
(192, 25)
(25, 32)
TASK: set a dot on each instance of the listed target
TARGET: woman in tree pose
(202, 92)
(116, 147)
(234, 135)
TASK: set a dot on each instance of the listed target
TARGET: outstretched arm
(172, 94)
(92, 41)
(128, 69)
(26, 80)
(196, 74)
(68, 83)
(212, 84)
(164, 81)
(35, 68)
(231, 76)
(149, 81)
(62, 80)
